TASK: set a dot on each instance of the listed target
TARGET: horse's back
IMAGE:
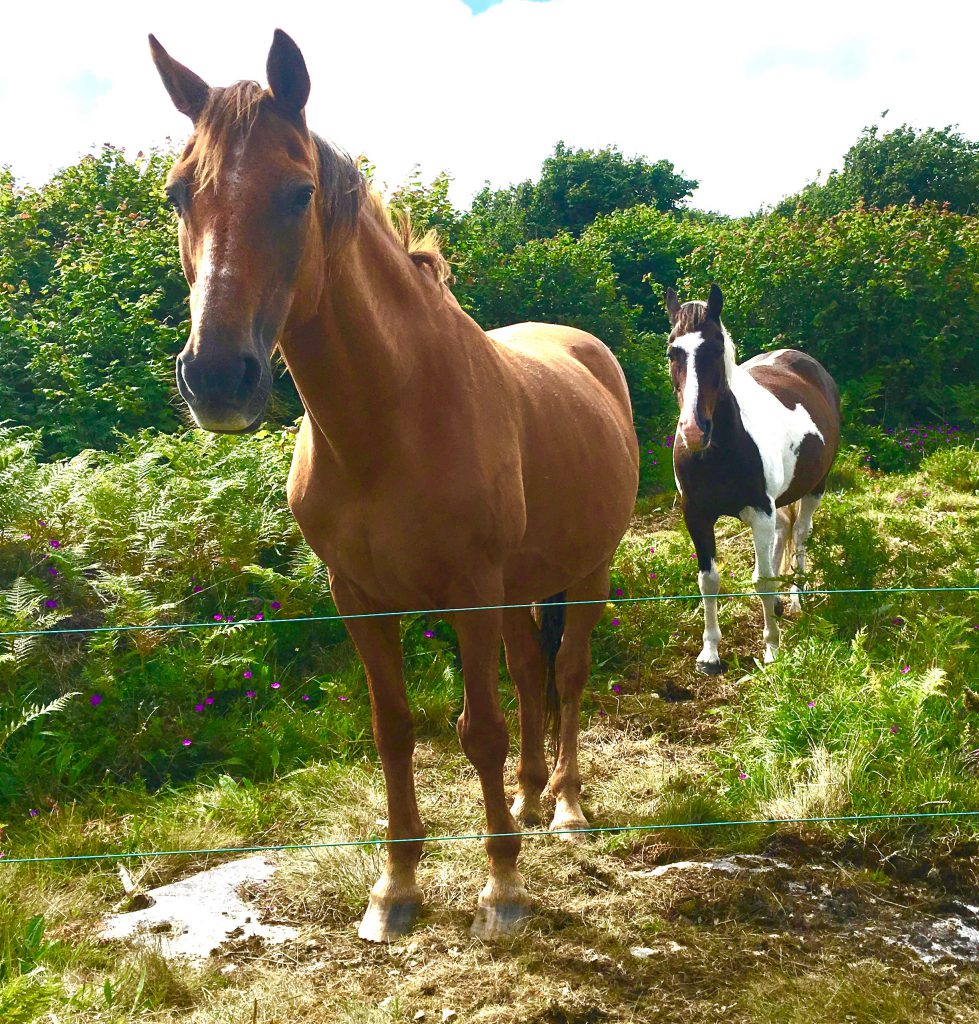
(553, 344)
(795, 375)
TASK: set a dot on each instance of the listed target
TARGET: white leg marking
(800, 536)
(763, 534)
(710, 584)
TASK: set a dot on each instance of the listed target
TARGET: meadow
(251, 730)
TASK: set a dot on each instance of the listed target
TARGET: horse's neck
(382, 326)
(727, 411)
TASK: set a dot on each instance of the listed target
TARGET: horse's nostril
(250, 376)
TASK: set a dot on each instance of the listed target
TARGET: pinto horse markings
(437, 466)
(755, 441)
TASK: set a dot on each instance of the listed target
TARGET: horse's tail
(551, 633)
(788, 552)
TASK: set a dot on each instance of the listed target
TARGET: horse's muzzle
(226, 394)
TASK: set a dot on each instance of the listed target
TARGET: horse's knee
(485, 742)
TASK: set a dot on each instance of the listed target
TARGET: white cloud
(750, 99)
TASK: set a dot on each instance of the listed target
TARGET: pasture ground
(874, 706)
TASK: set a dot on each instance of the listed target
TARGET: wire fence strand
(534, 834)
(162, 626)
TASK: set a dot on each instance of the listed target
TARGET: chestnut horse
(437, 465)
(754, 441)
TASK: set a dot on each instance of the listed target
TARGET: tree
(575, 187)
(903, 166)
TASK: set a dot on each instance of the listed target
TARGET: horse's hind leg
(762, 525)
(571, 674)
(801, 532)
(525, 661)
(785, 518)
(702, 534)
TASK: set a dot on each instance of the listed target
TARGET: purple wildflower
(343, 697)
(198, 589)
(615, 622)
(219, 618)
(618, 591)
(742, 774)
(810, 703)
(249, 694)
(905, 669)
(305, 696)
(275, 685)
(247, 673)
(185, 743)
(95, 700)
(198, 708)
(429, 634)
(616, 688)
(894, 730)
(55, 543)
(33, 812)
(51, 603)
(259, 617)
(209, 700)
(275, 606)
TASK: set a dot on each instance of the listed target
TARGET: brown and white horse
(755, 441)
(437, 466)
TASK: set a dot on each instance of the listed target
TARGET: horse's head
(248, 189)
(700, 356)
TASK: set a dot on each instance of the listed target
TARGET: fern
(30, 713)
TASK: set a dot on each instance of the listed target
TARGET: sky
(750, 98)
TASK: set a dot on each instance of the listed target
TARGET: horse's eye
(178, 196)
(300, 199)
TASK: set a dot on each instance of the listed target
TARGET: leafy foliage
(900, 167)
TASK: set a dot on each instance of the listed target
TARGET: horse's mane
(692, 314)
(229, 117)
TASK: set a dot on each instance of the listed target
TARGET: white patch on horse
(215, 268)
(778, 432)
(689, 343)
(770, 359)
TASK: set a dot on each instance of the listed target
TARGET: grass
(894, 725)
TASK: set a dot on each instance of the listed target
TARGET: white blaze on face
(687, 429)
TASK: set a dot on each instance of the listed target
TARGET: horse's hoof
(712, 668)
(528, 813)
(386, 922)
(496, 920)
(571, 830)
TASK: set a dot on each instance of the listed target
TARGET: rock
(197, 915)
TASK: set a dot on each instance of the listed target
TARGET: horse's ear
(287, 75)
(188, 92)
(714, 302)
(672, 305)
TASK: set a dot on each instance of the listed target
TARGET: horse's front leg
(762, 523)
(395, 899)
(504, 902)
(702, 534)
